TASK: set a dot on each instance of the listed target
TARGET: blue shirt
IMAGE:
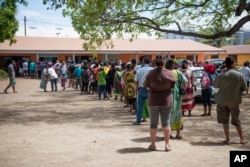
(141, 74)
(78, 72)
(32, 66)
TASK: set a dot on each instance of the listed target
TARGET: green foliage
(3, 74)
(100, 20)
(8, 22)
(97, 21)
(247, 41)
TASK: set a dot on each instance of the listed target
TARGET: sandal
(151, 148)
(203, 115)
(133, 113)
(167, 148)
(226, 142)
(178, 136)
(243, 142)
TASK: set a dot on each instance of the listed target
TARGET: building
(240, 53)
(240, 38)
(56, 48)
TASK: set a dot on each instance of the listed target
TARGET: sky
(43, 22)
(48, 23)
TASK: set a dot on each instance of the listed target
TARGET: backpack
(130, 90)
(205, 81)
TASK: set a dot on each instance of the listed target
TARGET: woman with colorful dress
(176, 114)
(117, 85)
(130, 87)
(188, 102)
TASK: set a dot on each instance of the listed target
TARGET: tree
(99, 20)
(247, 41)
(8, 22)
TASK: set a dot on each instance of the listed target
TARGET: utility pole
(25, 25)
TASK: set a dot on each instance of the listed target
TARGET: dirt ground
(51, 129)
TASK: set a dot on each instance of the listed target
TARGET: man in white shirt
(139, 79)
(245, 70)
(53, 78)
(25, 69)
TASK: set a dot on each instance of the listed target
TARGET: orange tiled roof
(64, 45)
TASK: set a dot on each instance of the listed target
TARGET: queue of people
(152, 89)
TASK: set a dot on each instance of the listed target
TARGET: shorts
(224, 111)
(12, 82)
(20, 70)
(131, 101)
(248, 83)
(71, 76)
(163, 111)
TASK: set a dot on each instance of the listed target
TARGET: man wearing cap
(140, 77)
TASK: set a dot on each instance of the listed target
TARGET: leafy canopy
(100, 20)
(8, 22)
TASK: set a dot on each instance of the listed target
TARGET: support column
(169, 55)
(106, 57)
(194, 57)
(136, 57)
(37, 57)
(73, 57)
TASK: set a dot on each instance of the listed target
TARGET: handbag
(182, 90)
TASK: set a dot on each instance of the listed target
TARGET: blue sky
(49, 23)
(43, 22)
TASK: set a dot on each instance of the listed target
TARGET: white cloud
(42, 22)
(30, 13)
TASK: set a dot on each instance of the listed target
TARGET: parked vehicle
(215, 62)
(198, 71)
(218, 63)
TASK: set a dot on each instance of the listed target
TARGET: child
(63, 81)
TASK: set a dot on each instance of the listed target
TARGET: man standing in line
(245, 70)
(228, 101)
(32, 67)
(140, 77)
(25, 69)
(11, 75)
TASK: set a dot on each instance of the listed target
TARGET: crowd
(159, 89)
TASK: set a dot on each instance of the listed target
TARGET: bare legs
(166, 131)
(239, 131)
(207, 110)
(13, 87)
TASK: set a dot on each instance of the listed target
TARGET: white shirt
(25, 65)
(52, 73)
(246, 73)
